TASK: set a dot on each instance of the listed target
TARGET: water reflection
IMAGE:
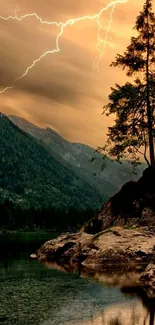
(120, 315)
(113, 276)
(141, 312)
(37, 294)
(32, 294)
(124, 314)
(149, 304)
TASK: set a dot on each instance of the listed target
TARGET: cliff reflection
(124, 314)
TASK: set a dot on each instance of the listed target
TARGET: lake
(33, 294)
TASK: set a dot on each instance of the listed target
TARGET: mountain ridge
(29, 172)
(77, 156)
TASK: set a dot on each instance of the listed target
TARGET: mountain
(77, 156)
(31, 177)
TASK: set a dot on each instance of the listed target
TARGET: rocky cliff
(134, 204)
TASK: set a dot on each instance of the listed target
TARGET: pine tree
(134, 104)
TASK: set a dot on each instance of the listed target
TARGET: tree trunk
(150, 130)
(149, 111)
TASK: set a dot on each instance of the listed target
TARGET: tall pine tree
(134, 104)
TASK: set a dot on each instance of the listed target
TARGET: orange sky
(62, 91)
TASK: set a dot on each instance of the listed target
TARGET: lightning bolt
(62, 26)
(101, 43)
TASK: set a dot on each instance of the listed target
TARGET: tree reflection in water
(134, 313)
(150, 306)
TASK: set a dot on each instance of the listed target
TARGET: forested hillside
(77, 157)
(32, 180)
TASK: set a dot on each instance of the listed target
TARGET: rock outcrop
(115, 247)
(133, 204)
(122, 236)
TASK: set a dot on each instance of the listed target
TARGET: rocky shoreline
(118, 242)
(117, 256)
(114, 246)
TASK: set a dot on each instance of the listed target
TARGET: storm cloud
(62, 90)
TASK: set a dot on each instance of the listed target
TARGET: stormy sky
(62, 91)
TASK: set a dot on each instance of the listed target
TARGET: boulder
(112, 248)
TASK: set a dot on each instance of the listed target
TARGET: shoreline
(116, 256)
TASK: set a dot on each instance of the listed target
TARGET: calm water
(32, 294)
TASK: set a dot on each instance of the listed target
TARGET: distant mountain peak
(53, 132)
